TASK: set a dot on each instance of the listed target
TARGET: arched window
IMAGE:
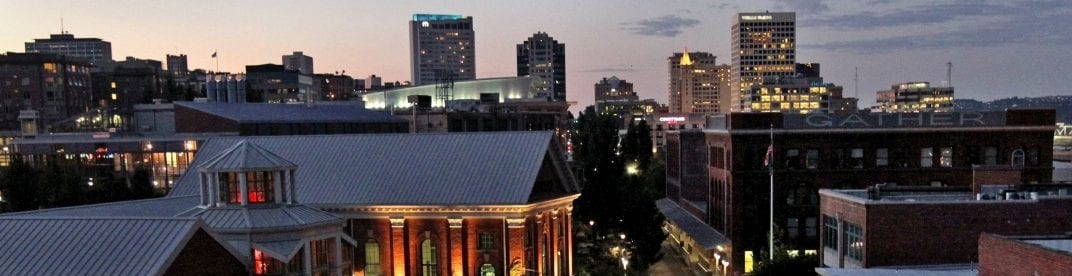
(372, 258)
(429, 258)
(487, 270)
(1018, 158)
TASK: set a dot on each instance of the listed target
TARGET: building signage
(1063, 130)
(756, 17)
(894, 120)
(672, 119)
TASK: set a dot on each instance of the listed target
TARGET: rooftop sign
(434, 17)
(756, 17)
(893, 120)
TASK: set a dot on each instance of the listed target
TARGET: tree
(141, 184)
(19, 186)
(783, 263)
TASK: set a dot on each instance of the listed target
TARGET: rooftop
(434, 17)
(292, 113)
(923, 195)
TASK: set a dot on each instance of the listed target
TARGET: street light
(625, 266)
(725, 267)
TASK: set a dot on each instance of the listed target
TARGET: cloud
(802, 6)
(925, 14)
(665, 26)
(1042, 29)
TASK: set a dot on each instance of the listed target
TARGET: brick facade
(1001, 256)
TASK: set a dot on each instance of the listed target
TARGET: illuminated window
(265, 265)
(857, 158)
(259, 186)
(429, 258)
(946, 157)
(854, 242)
(372, 258)
(749, 262)
(487, 270)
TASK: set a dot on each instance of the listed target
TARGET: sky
(998, 48)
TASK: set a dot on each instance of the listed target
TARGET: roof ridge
(13, 214)
(102, 218)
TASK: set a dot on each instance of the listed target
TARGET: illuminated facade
(507, 88)
(801, 95)
(541, 56)
(694, 83)
(614, 89)
(914, 97)
(441, 45)
(762, 45)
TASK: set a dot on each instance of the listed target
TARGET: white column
(243, 188)
(338, 258)
(214, 189)
(277, 186)
(307, 259)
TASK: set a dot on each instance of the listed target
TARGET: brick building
(718, 175)
(915, 226)
(58, 87)
(1038, 255)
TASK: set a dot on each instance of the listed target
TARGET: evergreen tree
(141, 184)
(19, 186)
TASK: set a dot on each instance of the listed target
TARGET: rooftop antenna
(949, 74)
(856, 82)
(62, 29)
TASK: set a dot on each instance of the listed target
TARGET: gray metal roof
(703, 234)
(401, 169)
(246, 156)
(280, 216)
(92, 246)
(291, 113)
(155, 207)
(280, 250)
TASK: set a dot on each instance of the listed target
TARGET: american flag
(769, 156)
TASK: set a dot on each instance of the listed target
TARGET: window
(372, 258)
(946, 157)
(926, 157)
(486, 242)
(854, 242)
(487, 270)
(229, 192)
(830, 232)
(792, 159)
(792, 225)
(323, 256)
(265, 265)
(813, 159)
(857, 158)
(991, 156)
(882, 157)
(259, 186)
(1018, 158)
(429, 258)
(749, 262)
(811, 228)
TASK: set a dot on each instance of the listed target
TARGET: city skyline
(997, 49)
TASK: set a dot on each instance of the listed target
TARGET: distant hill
(1063, 105)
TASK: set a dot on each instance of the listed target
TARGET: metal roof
(292, 113)
(401, 169)
(703, 234)
(279, 216)
(246, 156)
(155, 207)
(92, 246)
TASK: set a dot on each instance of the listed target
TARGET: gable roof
(292, 113)
(484, 168)
(246, 156)
(93, 246)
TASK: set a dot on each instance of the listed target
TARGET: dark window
(1018, 158)
(792, 159)
(813, 159)
(229, 192)
(991, 156)
(882, 157)
(830, 233)
(926, 157)
(854, 242)
(486, 242)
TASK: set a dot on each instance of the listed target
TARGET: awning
(697, 230)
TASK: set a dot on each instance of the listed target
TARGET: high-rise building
(614, 89)
(299, 61)
(177, 65)
(541, 56)
(98, 52)
(914, 97)
(441, 47)
(694, 83)
(762, 45)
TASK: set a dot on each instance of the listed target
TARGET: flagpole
(770, 169)
(214, 56)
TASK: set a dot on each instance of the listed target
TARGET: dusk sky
(998, 48)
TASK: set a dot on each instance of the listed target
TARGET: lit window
(749, 262)
(858, 158)
(429, 258)
(946, 157)
(854, 242)
(259, 186)
(372, 259)
(487, 270)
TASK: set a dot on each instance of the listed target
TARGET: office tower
(762, 45)
(273, 83)
(614, 89)
(177, 65)
(694, 84)
(543, 57)
(441, 47)
(914, 97)
(98, 52)
(300, 62)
